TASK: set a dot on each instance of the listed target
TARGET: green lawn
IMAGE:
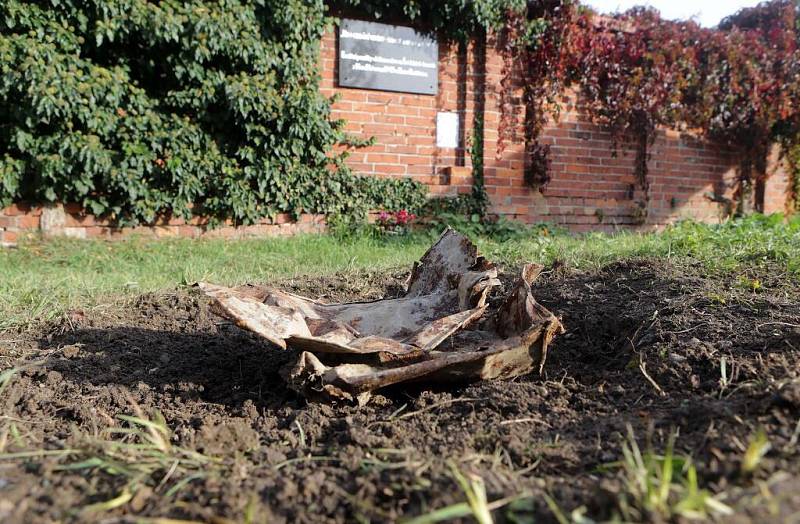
(40, 279)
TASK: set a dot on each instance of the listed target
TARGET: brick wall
(70, 221)
(594, 184)
(592, 188)
(778, 186)
(404, 124)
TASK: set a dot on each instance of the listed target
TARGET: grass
(757, 448)
(662, 486)
(476, 506)
(139, 452)
(754, 241)
(42, 279)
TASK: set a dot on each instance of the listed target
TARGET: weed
(498, 229)
(476, 506)
(716, 298)
(750, 284)
(383, 459)
(662, 485)
(724, 381)
(300, 460)
(757, 448)
(5, 377)
(577, 516)
(302, 434)
(142, 454)
(795, 436)
(473, 487)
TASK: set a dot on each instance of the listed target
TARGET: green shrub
(135, 109)
(498, 228)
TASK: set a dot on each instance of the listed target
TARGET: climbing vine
(637, 72)
(451, 20)
(136, 109)
(633, 73)
(792, 147)
(479, 196)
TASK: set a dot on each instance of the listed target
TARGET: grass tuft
(662, 486)
(140, 452)
(756, 450)
(476, 506)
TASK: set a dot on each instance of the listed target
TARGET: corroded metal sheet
(442, 329)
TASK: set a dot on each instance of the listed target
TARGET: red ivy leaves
(739, 83)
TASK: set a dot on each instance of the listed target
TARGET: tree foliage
(136, 109)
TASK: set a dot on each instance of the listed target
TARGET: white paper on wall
(447, 130)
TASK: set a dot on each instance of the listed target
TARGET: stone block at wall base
(53, 218)
(8, 238)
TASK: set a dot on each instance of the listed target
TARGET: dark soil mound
(646, 345)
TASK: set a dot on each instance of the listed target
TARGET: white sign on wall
(447, 130)
(387, 57)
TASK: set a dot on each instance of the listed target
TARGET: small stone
(139, 500)
(71, 351)
(789, 395)
(6, 507)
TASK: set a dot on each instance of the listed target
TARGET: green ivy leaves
(136, 109)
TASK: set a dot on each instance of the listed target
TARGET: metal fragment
(441, 330)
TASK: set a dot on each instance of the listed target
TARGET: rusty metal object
(442, 329)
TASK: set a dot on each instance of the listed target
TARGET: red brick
(79, 220)
(379, 158)
(97, 231)
(282, 218)
(28, 221)
(9, 237)
(17, 209)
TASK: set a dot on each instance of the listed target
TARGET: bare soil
(281, 459)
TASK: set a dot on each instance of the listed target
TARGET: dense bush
(457, 20)
(135, 109)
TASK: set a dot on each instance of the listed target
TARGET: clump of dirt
(654, 345)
